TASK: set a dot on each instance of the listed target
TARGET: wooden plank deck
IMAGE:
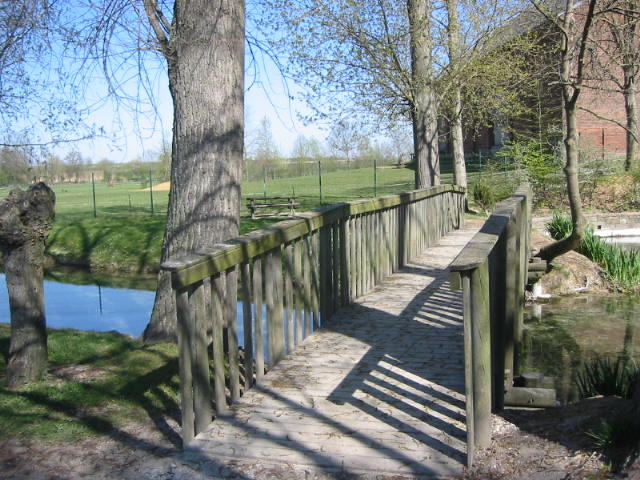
(378, 392)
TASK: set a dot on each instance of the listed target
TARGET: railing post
(478, 364)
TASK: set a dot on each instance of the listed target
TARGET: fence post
(93, 186)
(151, 192)
(320, 179)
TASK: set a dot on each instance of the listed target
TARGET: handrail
(295, 273)
(492, 272)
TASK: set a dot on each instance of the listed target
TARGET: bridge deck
(378, 392)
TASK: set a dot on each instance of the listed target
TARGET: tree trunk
(424, 114)
(25, 221)
(632, 117)
(455, 123)
(571, 85)
(206, 69)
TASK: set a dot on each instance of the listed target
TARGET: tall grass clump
(622, 266)
(603, 376)
(618, 436)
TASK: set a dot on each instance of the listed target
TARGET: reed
(622, 266)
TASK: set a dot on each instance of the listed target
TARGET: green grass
(126, 237)
(97, 383)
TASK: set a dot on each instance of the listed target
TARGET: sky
(128, 136)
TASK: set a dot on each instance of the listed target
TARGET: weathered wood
(479, 315)
(299, 290)
(217, 312)
(195, 267)
(258, 318)
(465, 281)
(288, 296)
(247, 317)
(231, 324)
(273, 299)
(199, 358)
(331, 256)
(183, 313)
(325, 261)
(336, 251)
(308, 302)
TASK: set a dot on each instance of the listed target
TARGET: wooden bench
(255, 203)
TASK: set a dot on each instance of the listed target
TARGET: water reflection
(92, 302)
(560, 335)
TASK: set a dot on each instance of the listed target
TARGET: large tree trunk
(457, 138)
(206, 69)
(424, 114)
(25, 221)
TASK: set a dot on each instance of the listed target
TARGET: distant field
(124, 199)
(124, 236)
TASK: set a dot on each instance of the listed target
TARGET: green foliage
(622, 266)
(483, 194)
(560, 226)
(619, 439)
(603, 376)
(542, 166)
(97, 382)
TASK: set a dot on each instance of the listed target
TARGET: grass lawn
(97, 383)
(126, 237)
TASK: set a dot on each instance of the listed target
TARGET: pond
(78, 299)
(561, 334)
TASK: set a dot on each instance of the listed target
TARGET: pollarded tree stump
(25, 222)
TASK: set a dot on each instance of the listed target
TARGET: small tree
(25, 221)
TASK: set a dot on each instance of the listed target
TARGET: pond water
(561, 334)
(78, 299)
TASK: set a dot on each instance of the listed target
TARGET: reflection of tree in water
(548, 347)
(553, 343)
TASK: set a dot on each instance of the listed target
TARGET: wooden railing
(492, 272)
(295, 273)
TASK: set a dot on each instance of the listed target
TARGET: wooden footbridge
(366, 339)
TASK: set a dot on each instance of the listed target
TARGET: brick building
(601, 100)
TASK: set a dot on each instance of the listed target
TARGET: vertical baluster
(336, 250)
(217, 311)
(308, 302)
(299, 289)
(186, 368)
(273, 298)
(315, 277)
(288, 296)
(245, 278)
(258, 319)
(345, 264)
(325, 260)
(231, 321)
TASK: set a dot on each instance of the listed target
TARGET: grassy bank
(124, 236)
(98, 383)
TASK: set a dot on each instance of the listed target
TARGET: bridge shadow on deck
(377, 392)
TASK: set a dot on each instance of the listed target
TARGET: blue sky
(130, 135)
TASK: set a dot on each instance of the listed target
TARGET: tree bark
(631, 112)
(205, 57)
(424, 113)
(455, 122)
(25, 222)
(571, 78)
